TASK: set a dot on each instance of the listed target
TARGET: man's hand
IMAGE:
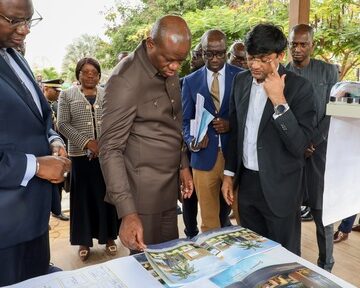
(274, 86)
(228, 190)
(221, 125)
(131, 232)
(93, 146)
(58, 149)
(201, 145)
(187, 184)
(309, 151)
(53, 168)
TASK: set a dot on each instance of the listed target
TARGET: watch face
(280, 109)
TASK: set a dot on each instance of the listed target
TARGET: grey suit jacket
(281, 142)
(141, 140)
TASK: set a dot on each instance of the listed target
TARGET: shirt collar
(221, 71)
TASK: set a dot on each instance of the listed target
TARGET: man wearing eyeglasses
(213, 81)
(237, 55)
(28, 171)
(322, 76)
(271, 123)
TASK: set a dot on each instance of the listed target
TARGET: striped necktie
(215, 91)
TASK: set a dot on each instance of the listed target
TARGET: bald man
(237, 55)
(141, 146)
(207, 158)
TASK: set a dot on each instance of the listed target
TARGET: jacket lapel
(23, 92)
(243, 104)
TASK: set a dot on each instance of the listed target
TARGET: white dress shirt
(221, 78)
(257, 102)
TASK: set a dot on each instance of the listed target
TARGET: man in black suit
(32, 155)
(271, 122)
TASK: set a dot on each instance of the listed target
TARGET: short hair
(303, 28)
(211, 34)
(87, 60)
(265, 39)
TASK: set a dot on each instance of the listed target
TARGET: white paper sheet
(123, 272)
(342, 173)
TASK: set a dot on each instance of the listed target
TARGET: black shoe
(178, 210)
(61, 216)
(306, 214)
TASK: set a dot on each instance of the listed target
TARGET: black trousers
(25, 260)
(256, 215)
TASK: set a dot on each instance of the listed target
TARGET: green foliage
(336, 25)
(337, 33)
(47, 73)
(84, 46)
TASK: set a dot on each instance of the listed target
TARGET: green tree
(336, 24)
(337, 31)
(84, 46)
(47, 73)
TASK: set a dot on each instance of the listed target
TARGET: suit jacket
(195, 83)
(141, 137)
(281, 142)
(323, 77)
(75, 120)
(24, 211)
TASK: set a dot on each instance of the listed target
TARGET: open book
(180, 262)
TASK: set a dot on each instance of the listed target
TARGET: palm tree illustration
(183, 269)
(247, 245)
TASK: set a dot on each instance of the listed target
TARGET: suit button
(88, 123)
(172, 100)
(259, 147)
(174, 117)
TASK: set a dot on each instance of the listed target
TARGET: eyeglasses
(15, 23)
(293, 45)
(89, 73)
(212, 54)
(261, 59)
(196, 54)
(240, 58)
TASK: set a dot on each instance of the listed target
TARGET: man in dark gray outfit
(322, 76)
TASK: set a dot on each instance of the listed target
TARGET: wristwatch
(281, 109)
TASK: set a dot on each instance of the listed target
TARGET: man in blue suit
(32, 156)
(213, 81)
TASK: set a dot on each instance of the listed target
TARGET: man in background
(322, 76)
(141, 145)
(237, 55)
(52, 90)
(32, 155)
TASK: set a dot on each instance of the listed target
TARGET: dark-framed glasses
(88, 73)
(237, 57)
(196, 54)
(260, 59)
(212, 54)
(15, 23)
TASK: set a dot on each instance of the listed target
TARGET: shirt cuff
(56, 138)
(229, 173)
(30, 169)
